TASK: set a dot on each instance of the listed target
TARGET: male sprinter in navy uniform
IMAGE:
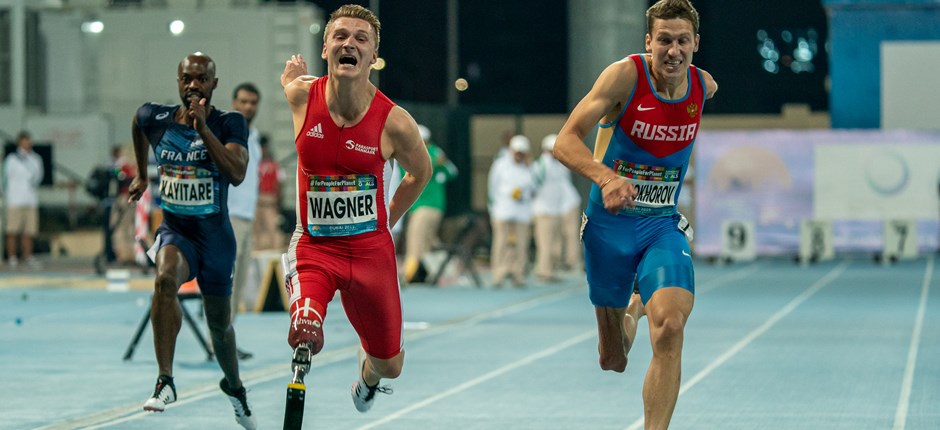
(200, 150)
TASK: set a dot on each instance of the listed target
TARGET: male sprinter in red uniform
(649, 107)
(346, 130)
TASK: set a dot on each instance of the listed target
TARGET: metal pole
(18, 55)
(452, 53)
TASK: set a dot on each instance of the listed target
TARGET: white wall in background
(909, 92)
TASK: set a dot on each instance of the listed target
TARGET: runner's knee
(388, 369)
(218, 326)
(165, 285)
(667, 335)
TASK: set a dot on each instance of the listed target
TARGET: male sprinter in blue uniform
(200, 150)
(649, 107)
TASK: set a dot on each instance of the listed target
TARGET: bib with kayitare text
(188, 190)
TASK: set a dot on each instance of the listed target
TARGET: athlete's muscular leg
(219, 318)
(668, 310)
(165, 315)
(375, 369)
(635, 311)
(373, 306)
(616, 328)
(611, 345)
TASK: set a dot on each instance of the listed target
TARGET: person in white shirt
(243, 199)
(22, 173)
(511, 187)
(572, 252)
(553, 202)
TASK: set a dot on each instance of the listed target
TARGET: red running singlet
(342, 240)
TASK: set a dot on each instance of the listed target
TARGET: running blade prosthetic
(296, 390)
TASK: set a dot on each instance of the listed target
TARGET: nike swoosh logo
(643, 109)
(686, 254)
(161, 116)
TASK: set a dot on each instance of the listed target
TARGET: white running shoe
(239, 399)
(163, 394)
(362, 394)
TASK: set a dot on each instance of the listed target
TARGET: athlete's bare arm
(296, 83)
(606, 99)
(402, 141)
(710, 85)
(141, 151)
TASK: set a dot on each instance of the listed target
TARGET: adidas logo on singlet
(316, 132)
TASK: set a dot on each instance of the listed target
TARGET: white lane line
(746, 340)
(711, 285)
(483, 378)
(133, 411)
(900, 416)
(120, 415)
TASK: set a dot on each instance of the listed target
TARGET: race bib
(187, 190)
(341, 205)
(656, 187)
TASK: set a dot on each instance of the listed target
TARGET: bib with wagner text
(341, 205)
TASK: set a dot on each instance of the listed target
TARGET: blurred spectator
(551, 206)
(268, 218)
(22, 173)
(572, 252)
(121, 216)
(243, 199)
(425, 215)
(511, 187)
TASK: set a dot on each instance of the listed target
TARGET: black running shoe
(239, 399)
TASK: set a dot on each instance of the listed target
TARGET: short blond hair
(672, 9)
(355, 11)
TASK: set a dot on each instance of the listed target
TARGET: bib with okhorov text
(341, 205)
(188, 190)
(656, 187)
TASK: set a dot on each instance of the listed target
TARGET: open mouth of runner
(348, 60)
